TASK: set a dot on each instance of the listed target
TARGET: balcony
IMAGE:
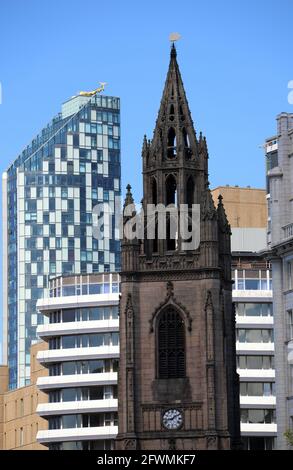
(287, 231)
(85, 380)
(77, 301)
(72, 407)
(88, 284)
(254, 429)
(75, 354)
(77, 434)
(254, 321)
(259, 348)
(252, 295)
(257, 402)
(256, 374)
(77, 327)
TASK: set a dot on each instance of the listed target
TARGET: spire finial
(173, 37)
(222, 216)
(173, 51)
(128, 197)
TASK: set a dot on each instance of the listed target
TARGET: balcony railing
(85, 285)
(288, 231)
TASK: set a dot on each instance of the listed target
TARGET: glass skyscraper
(49, 193)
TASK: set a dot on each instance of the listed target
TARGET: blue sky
(234, 58)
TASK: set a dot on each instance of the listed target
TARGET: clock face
(172, 419)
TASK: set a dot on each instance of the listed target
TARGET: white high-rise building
(81, 329)
(252, 296)
(246, 209)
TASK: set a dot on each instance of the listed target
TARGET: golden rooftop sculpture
(94, 92)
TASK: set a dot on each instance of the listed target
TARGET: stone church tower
(178, 387)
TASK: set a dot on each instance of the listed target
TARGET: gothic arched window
(171, 144)
(154, 191)
(155, 201)
(185, 138)
(181, 113)
(171, 190)
(190, 192)
(171, 222)
(171, 345)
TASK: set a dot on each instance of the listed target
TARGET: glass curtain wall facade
(49, 193)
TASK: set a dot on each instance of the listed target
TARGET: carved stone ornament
(129, 307)
(170, 300)
(130, 444)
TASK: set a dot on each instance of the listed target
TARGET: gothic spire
(174, 90)
(174, 125)
(128, 198)
(208, 210)
(222, 216)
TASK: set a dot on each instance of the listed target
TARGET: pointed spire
(202, 144)
(174, 134)
(173, 51)
(222, 216)
(128, 198)
(144, 145)
(208, 209)
(174, 88)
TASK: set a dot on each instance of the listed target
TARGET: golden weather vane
(173, 37)
(97, 90)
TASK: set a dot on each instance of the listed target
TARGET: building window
(252, 279)
(21, 437)
(190, 192)
(290, 324)
(258, 416)
(257, 389)
(255, 362)
(54, 396)
(172, 143)
(185, 138)
(255, 336)
(289, 275)
(254, 309)
(258, 443)
(171, 199)
(171, 345)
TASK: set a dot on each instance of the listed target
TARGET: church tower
(178, 386)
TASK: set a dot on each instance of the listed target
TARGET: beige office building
(246, 209)
(19, 422)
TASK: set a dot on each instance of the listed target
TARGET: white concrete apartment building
(81, 329)
(246, 209)
(252, 296)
